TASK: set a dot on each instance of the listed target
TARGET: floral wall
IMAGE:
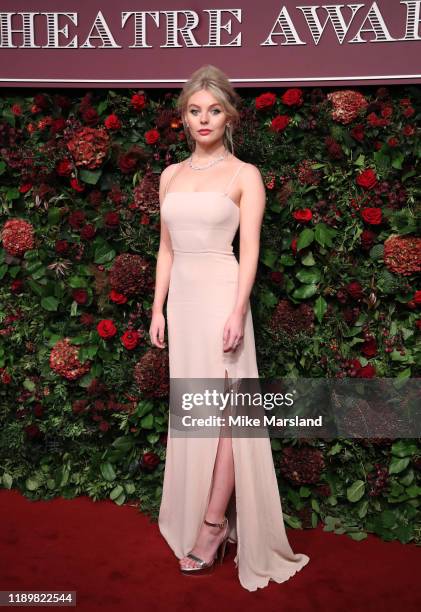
(84, 395)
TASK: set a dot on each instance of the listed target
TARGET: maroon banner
(160, 43)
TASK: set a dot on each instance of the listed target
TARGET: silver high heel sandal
(206, 568)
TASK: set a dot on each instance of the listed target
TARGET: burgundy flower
(355, 290)
(80, 296)
(369, 348)
(265, 100)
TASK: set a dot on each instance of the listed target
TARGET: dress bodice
(200, 221)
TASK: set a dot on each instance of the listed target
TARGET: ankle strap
(220, 525)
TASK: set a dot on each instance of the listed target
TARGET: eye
(216, 110)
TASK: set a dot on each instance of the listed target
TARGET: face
(205, 112)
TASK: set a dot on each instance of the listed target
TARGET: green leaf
(308, 276)
(398, 465)
(116, 492)
(54, 216)
(107, 471)
(358, 535)
(268, 257)
(104, 253)
(147, 422)
(355, 491)
(90, 177)
(320, 307)
(7, 480)
(50, 303)
(32, 484)
(305, 238)
(304, 292)
(404, 448)
(323, 234)
(308, 259)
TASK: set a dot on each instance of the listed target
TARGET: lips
(204, 131)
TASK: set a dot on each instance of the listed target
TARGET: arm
(252, 207)
(163, 272)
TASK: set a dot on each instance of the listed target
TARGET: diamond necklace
(212, 163)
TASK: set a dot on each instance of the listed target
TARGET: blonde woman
(216, 489)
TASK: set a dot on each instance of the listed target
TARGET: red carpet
(115, 559)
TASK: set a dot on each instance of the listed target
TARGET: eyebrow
(210, 105)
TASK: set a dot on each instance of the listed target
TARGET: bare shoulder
(168, 170)
(251, 175)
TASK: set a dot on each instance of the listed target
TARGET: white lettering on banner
(180, 26)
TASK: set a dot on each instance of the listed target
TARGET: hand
(156, 330)
(233, 331)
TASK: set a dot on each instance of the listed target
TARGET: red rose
(112, 219)
(32, 431)
(417, 297)
(87, 319)
(367, 239)
(367, 178)
(409, 111)
(88, 231)
(106, 329)
(149, 461)
(292, 97)
(25, 187)
(357, 132)
(369, 348)
(144, 220)
(408, 130)
(5, 377)
(64, 167)
(112, 122)
(372, 215)
(104, 425)
(302, 215)
(61, 246)
(130, 339)
(265, 100)
(355, 290)
(16, 109)
(151, 136)
(418, 324)
(16, 286)
(117, 298)
(294, 246)
(368, 371)
(138, 101)
(90, 116)
(279, 123)
(77, 219)
(80, 296)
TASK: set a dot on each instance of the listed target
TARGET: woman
(223, 487)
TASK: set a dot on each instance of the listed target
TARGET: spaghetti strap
(177, 169)
(234, 177)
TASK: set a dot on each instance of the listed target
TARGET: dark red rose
(25, 187)
(367, 178)
(77, 219)
(112, 122)
(112, 219)
(32, 431)
(152, 136)
(372, 215)
(88, 231)
(367, 239)
(303, 215)
(149, 461)
(355, 290)
(116, 297)
(95, 197)
(417, 297)
(418, 324)
(408, 130)
(293, 97)
(104, 425)
(130, 339)
(279, 123)
(38, 410)
(16, 285)
(61, 246)
(106, 329)
(369, 348)
(265, 100)
(79, 406)
(357, 132)
(368, 371)
(90, 116)
(80, 296)
(64, 167)
(5, 377)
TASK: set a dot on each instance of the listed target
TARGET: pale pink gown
(201, 296)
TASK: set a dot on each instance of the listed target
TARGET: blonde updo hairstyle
(216, 82)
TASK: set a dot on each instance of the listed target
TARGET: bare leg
(223, 484)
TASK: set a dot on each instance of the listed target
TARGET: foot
(206, 545)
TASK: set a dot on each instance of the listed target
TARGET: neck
(206, 152)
